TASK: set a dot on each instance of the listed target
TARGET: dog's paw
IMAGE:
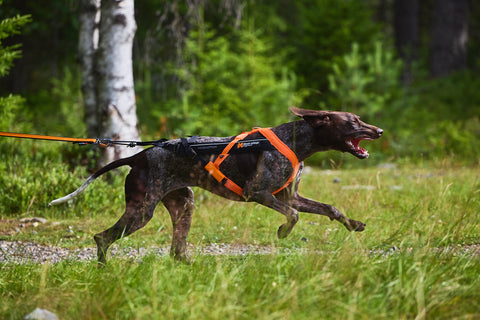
(354, 225)
(283, 231)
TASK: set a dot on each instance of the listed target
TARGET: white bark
(89, 17)
(115, 91)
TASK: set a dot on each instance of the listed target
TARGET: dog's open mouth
(355, 149)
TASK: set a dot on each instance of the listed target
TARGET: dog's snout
(379, 131)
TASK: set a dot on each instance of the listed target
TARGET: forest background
(221, 67)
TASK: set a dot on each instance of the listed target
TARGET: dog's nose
(379, 131)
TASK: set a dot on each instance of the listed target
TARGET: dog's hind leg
(140, 205)
(180, 204)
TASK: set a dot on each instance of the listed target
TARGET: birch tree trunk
(89, 17)
(115, 91)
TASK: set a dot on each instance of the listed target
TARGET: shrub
(438, 118)
(365, 83)
(230, 86)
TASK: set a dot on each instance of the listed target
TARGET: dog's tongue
(354, 144)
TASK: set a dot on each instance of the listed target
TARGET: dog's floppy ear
(315, 118)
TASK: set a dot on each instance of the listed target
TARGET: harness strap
(286, 151)
(214, 167)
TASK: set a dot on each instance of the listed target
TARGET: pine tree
(9, 27)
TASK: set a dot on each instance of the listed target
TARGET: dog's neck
(301, 138)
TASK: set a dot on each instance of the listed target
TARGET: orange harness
(214, 167)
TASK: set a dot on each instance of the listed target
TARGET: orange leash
(103, 143)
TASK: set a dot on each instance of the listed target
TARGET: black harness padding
(242, 146)
(189, 148)
(186, 147)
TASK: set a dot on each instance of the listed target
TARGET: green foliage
(10, 105)
(50, 42)
(9, 27)
(202, 68)
(59, 109)
(436, 118)
(367, 83)
(34, 173)
(230, 85)
(28, 180)
(432, 119)
(320, 33)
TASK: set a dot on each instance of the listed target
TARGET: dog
(161, 175)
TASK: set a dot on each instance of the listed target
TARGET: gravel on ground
(20, 252)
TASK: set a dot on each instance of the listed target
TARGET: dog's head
(340, 131)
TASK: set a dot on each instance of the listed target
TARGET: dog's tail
(108, 167)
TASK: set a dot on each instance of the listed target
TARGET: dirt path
(22, 252)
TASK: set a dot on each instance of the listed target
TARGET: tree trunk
(89, 17)
(406, 35)
(449, 37)
(115, 91)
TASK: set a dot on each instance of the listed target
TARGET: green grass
(428, 212)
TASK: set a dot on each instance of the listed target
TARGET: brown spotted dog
(161, 175)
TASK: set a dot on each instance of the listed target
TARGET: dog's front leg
(306, 205)
(267, 199)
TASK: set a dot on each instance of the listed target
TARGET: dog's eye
(354, 124)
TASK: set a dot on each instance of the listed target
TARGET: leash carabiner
(104, 142)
